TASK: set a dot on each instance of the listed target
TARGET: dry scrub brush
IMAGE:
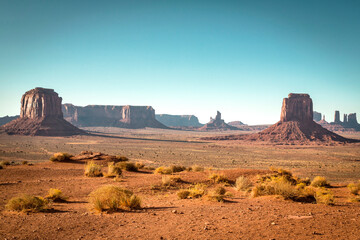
(354, 189)
(218, 178)
(93, 170)
(113, 170)
(283, 183)
(127, 166)
(56, 195)
(112, 198)
(169, 170)
(27, 203)
(320, 182)
(243, 183)
(60, 157)
(195, 191)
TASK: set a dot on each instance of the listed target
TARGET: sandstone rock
(178, 120)
(297, 107)
(41, 114)
(296, 125)
(217, 124)
(111, 116)
(337, 117)
(317, 116)
(6, 119)
(352, 119)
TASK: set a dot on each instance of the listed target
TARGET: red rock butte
(41, 115)
(296, 125)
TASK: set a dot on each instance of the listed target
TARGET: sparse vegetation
(162, 170)
(112, 198)
(183, 194)
(5, 163)
(27, 203)
(170, 180)
(320, 182)
(324, 196)
(113, 170)
(243, 183)
(177, 168)
(218, 178)
(60, 157)
(93, 170)
(24, 162)
(197, 168)
(354, 188)
(127, 166)
(122, 158)
(139, 165)
(56, 195)
(218, 194)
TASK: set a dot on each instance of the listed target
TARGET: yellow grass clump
(60, 157)
(320, 182)
(113, 170)
(243, 183)
(93, 170)
(127, 166)
(218, 178)
(56, 195)
(113, 198)
(27, 203)
(354, 188)
(163, 170)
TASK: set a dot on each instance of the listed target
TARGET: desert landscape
(179, 120)
(294, 179)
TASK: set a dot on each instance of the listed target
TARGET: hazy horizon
(238, 57)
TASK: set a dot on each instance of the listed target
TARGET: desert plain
(163, 215)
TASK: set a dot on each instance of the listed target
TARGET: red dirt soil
(163, 215)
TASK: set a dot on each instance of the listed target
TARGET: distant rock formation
(111, 116)
(41, 115)
(337, 117)
(241, 126)
(296, 125)
(217, 124)
(350, 123)
(6, 119)
(178, 120)
(317, 116)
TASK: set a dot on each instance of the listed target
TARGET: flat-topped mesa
(297, 107)
(41, 102)
(41, 115)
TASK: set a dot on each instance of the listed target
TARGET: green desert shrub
(60, 157)
(242, 183)
(320, 182)
(27, 203)
(113, 198)
(93, 170)
(127, 166)
(56, 195)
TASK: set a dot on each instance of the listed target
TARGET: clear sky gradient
(184, 57)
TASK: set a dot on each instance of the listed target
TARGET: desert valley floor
(163, 215)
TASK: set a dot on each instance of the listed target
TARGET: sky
(184, 57)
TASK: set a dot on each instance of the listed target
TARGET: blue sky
(184, 57)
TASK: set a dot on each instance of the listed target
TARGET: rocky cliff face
(178, 120)
(7, 119)
(217, 124)
(41, 114)
(41, 102)
(317, 116)
(350, 123)
(296, 125)
(111, 116)
(297, 107)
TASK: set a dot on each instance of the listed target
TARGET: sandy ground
(164, 216)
